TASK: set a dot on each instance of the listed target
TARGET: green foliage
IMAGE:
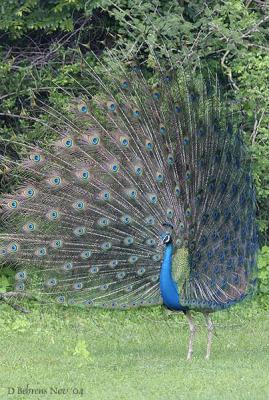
(81, 350)
(6, 278)
(263, 289)
(20, 17)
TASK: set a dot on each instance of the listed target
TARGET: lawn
(68, 353)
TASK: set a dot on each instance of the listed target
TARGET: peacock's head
(166, 237)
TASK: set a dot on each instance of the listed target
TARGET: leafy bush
(263, 286)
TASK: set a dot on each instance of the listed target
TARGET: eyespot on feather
(124, 141)
(114, 167)
(169, 213)
(29, 192)
(85, 254)
(93, 140)
(134, 66)
(149, 145)
(79, 231)
(82, 107)
(132, 259)
(150, 220)
(13, 204)
(68, 142)
(152, 197)
(36, 157)
(111, 106)
(53, 215)
(83, 175)
(155, 91)
(55, 181)
(103, 222)
(170, 159)
(113, 263)
(105, 195)
(56, 244)
(3, 251)
(29, 227)
(136, 113)
(106, 246)
(21, 276)
(159, 177)
(162, 129)
(141, 271)
(13, 247)
(20, 286)
(151, 242)
(41, 251)
(60, 299)
(126, 219)
(51, 282)
(79, 205)
(128, 241)
(124, 84)
(167, 78)
(132, 193)
(138, 169)
(68, 266)
(121, 275)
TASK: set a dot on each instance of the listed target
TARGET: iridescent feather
(85, 226)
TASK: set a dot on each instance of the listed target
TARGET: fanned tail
(84, 227)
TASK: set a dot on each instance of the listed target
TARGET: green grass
(132, 355)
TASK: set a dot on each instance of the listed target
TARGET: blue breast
(168, 286)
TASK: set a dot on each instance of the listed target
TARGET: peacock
(145, 197)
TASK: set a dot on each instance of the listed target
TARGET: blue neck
(168, 286)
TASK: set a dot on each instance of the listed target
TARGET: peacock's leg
(192, 334)
(210, 328)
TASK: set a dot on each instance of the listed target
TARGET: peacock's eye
(149, 145)
(136, 113)
(56, 181)
(13, 204)
(85, 175)
(111, 106)
(13, 247)
(170, 159)
(36, 157)
(156, 95)
(82, 107)
(167, 78)
(114, 168)
(124, 84)
(95, 140)
(186, 140)
(30, 192)
(54, 214)
(124, 141)
(162, 129)
(138, 171)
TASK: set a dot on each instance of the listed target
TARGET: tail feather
(89, 215)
